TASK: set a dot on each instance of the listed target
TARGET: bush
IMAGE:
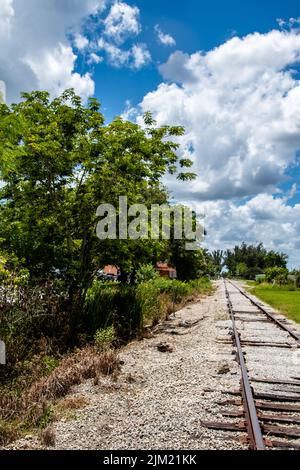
(145, 273)
(201, 286)
(104, 337)
(128, 315)
(148, 297)
(99, 306)
(33, 320)
(276, 274)
(176, 289)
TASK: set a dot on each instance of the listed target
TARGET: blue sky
(199, 25)
(228, 71)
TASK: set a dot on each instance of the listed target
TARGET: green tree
(58, 162)
(255, 257)
(273, 258)
(242, 269)
(276, 273)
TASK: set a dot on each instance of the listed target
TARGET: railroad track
(267, 405)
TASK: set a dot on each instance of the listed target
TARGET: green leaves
(59, 162)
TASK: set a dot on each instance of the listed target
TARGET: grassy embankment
(285, 299)
(41, 369)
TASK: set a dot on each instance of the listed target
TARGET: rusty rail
(252, 422)
(269, 315)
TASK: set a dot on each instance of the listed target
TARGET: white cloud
(140, 55)
(34, 32)
(136, 57)
(6, 17)
(81, 42)
(122, 22)
(164, 38)
(2, 92)
(264, 218)
(291, 23)
(54, 70)
(240, 105)
(95, 58)
(116, 56)
(130, 113)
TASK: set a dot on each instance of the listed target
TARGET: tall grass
(34, 329)
(129, 307)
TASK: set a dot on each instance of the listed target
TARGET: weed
(47, 437)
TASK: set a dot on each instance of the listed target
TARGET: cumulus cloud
(36, 37)
(80, 41)
(55, 69)
(95, 59)
(7, 14)
(164, 38)
(140, 55)
(292, 23)
(117, 57)
(240, 105)
(34, 34)
(264, 218)
(136, 57)
(122, 22)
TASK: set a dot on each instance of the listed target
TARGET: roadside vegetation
(60, 322)
(41, 370)
(284, 298)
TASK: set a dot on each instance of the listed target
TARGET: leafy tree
(242, 269)
(189, 264)
(255, 257)
(146, 272)
(276, 273)
(59, 162)
(217, 261)
(274, 258)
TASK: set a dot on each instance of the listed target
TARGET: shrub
(8, 432)
(147, 295)
(177, 289)
(128, 315)
(201, 286)
(47, 437)
(99, 306)
(276, 274)
(104, 337)
(32, 319)
(145, 273)
(109, 363)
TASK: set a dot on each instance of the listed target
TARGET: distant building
(111, 270)
(166, 271)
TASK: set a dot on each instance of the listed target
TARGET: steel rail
(269, 315)
(252, 422)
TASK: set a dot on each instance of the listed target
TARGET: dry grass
(85, 364)
(64, 407)
(34, 408)
(8, 432)
(47, 437)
